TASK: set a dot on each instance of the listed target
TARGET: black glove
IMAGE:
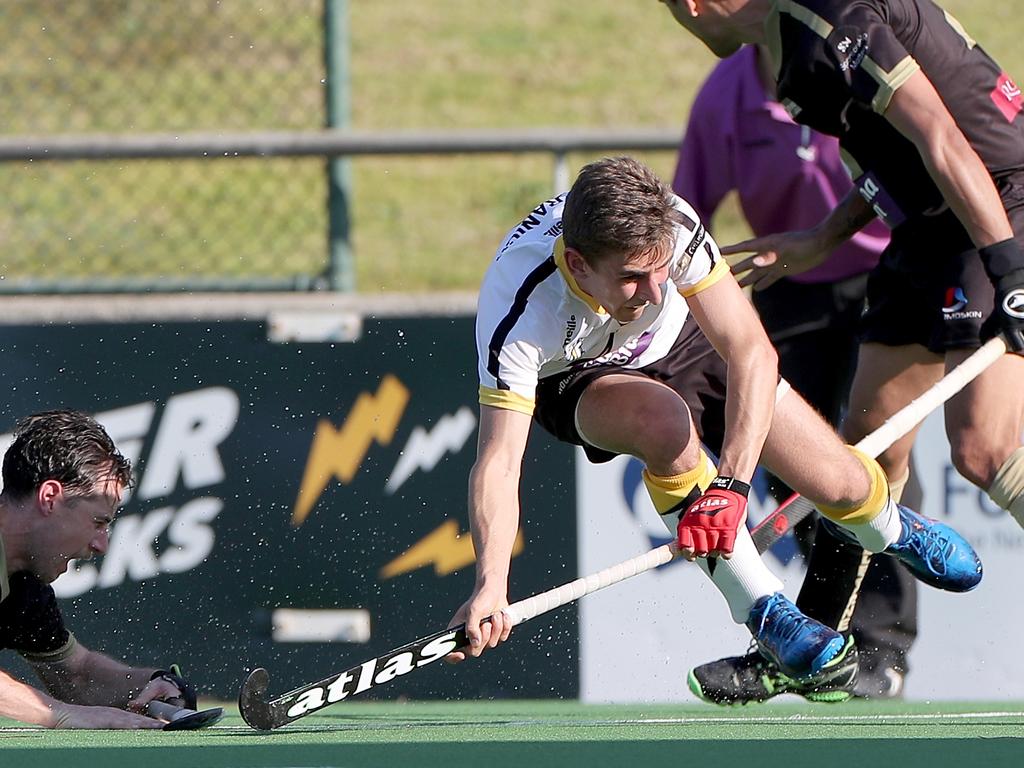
(173, 676)
(1004, 264)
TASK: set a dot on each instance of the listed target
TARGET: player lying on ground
(63, 481)
(609, 316)
(933, 131)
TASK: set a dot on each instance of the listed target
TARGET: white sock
(743, 579)
(878, 533)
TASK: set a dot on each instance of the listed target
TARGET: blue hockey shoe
(935, 553)
(801, 647)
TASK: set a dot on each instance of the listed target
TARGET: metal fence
(182, 146)
(140, 66)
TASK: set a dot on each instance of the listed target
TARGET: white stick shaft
(574, 590)
(895, 427)
(908, 417)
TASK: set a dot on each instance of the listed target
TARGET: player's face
(626, 285)
(77, 528)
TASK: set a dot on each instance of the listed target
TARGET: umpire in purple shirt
(789, 177)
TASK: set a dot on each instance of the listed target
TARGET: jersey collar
(582, 295)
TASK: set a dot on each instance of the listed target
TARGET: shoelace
(789, 622)
(930, 545)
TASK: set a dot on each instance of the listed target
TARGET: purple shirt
(787, 176)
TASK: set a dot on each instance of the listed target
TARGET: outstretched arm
(731, 324)
(26, 704)
(790, 253)
(93, 679)
(494, 520)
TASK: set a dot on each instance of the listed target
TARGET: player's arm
(93, 679)
(789, 253)
(494, 521)
(729, 321)
(917, 111)
(26, 704)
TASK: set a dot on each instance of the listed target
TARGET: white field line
(795, 718)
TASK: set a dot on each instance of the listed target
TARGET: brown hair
(619, 206)
(68, 446)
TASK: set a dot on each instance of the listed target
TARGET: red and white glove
(709, 527)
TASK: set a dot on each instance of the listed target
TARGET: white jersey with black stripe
(534, 321)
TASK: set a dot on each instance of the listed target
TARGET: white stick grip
(526, 609)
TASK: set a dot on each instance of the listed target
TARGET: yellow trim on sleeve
(506, 399)
(807, 16)
(50, 657)
(959, 29)
(720, 270)
(889, 82)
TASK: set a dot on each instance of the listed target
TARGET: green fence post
(341, 270)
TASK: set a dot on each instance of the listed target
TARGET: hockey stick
(266, 715)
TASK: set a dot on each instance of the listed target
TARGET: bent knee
(977, 457)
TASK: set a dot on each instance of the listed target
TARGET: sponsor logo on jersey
(854, 52)
(536, 218)
(625, 354)
(1007, 97)
(698, 238)
(881, 203)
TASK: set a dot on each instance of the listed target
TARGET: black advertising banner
(292, 492)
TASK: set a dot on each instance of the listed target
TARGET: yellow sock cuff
(1007, 489)
(668, 492)
(877, 498)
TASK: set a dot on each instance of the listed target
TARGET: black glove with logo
(1004, 264)
(173, 676)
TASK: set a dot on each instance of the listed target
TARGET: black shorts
(930, 287)
(692, 368)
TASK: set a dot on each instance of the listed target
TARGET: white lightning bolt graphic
(424, 449)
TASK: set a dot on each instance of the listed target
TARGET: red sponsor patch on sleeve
(1007, 97)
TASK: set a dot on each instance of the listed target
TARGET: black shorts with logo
(692, 368)
(930, 287)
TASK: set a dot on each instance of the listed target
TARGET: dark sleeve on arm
(31, 622)
(870, 58)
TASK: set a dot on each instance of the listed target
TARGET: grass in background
(419, 223)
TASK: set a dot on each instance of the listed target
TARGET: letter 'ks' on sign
(265, 715)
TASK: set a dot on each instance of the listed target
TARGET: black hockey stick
(265, 715)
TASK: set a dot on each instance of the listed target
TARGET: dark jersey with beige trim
(841, 61)
(30, 620)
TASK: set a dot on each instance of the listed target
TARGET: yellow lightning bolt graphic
(337, 453)
(444, 548)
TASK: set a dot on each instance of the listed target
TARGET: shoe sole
(695, 688)
(789, 685)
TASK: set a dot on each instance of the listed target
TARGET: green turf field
(555, 733)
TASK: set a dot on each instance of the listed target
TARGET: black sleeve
(30, 620)
(866, 53)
